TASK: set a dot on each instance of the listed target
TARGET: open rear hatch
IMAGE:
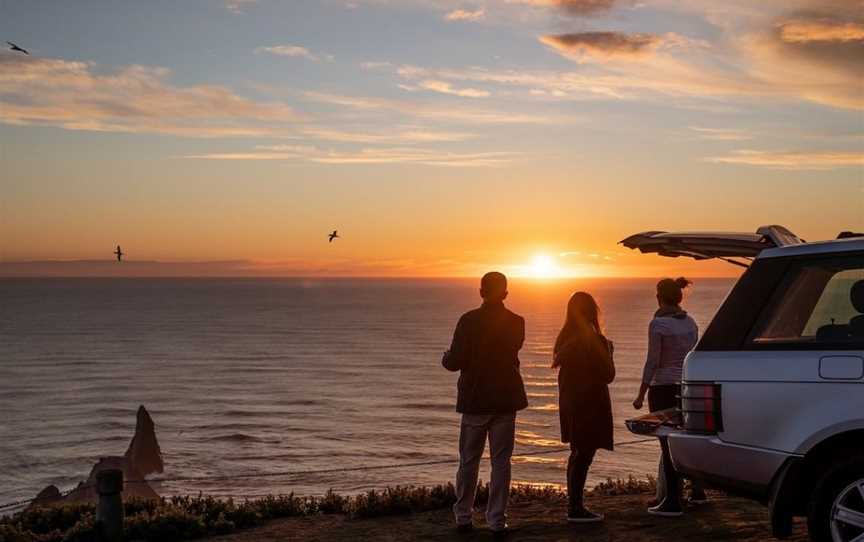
(707, 245)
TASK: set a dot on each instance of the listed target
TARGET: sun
(544, 266)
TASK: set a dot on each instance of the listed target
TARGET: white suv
(772, 399)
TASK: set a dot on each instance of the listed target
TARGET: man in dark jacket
(485, 350)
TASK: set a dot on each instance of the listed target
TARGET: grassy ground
(540, 518)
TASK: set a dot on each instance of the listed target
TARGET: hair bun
(682, 282)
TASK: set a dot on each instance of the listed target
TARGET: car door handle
(841, 367)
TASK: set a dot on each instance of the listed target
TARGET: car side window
(819, 304)
(835, 306)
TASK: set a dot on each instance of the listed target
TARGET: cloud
(658, 76)
(603, 45)
(293, 51)
(793, 160)
(613, 65)
(721, 134)
(574, 7)
(467, 115)
(778, 50)
(376, 65)
(444, 87)
(405, 136)
(137, 99)
(803, 31)
(821, 40)
(818, 56)
(464, 15)
(293, 149)
(238, 7)
(393, 155)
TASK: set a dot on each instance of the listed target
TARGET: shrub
(284, 506)
(167, 524)
(244, 515)
(44, 520)
(332, 503)
(189, 517)
(83, 531)
(401, 500)
(630, 486)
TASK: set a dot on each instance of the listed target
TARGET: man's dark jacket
(485, 349)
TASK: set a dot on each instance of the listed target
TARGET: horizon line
(292, 269)
(354, 277)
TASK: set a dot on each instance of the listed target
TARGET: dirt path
(723, 518)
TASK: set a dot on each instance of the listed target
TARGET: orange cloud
(444, 87)
(408, 135)
(793, 160)
(465, 15)
(139, 99)
(721, 134)
(802, 31)
(654, 75)
(472, 115)
(293, 51)
(395, 155)
(759, 65)
(604, 45)
(816, 56)
(573, 7)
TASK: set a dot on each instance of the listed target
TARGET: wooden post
(109, 512)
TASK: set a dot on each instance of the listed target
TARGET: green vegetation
(187, 518)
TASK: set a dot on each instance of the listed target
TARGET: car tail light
(701, 407)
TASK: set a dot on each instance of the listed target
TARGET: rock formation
(141, 459)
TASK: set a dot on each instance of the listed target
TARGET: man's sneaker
(583, 515)
(465, 528)
(666, 510)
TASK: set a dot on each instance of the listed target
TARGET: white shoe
(666, 511)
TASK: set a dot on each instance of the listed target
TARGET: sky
(441, 138)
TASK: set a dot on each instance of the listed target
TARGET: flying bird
(13, 47)
(332, 236)
(119, 254)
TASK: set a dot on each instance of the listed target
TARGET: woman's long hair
(582, 322)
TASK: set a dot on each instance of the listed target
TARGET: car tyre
(840, 487)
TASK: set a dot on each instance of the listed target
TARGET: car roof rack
(781, 236)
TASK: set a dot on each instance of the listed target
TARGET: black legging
(577, 474)
(661, 398)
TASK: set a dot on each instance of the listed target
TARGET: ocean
(251, 376)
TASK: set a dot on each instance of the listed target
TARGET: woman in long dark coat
(584, 359)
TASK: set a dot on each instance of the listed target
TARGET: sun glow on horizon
(545, 267)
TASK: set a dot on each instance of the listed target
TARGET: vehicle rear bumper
(735, 468)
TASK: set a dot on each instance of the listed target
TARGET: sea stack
(143, 457)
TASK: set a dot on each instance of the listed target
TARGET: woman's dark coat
(586, 370)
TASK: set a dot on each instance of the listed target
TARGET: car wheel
(836, 511)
